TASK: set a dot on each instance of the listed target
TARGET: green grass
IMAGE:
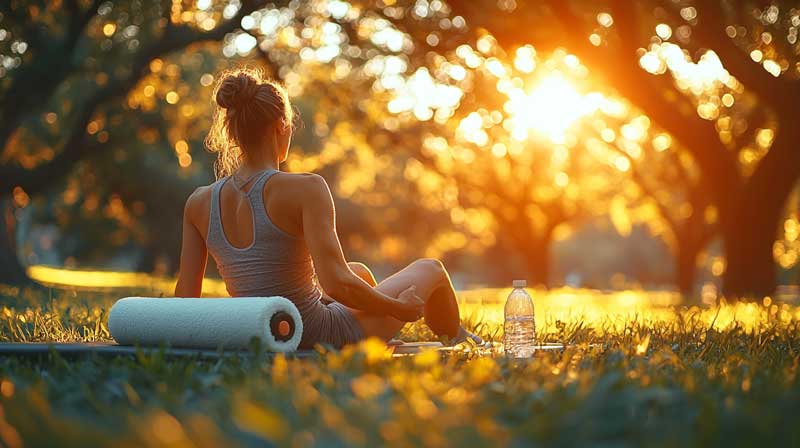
(661, 376)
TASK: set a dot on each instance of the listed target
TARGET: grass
(662, 375)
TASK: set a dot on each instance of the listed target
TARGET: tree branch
(621, 70)
(264, 57)
(778, 92)
(663, 209)
(34, 83)
(79, 145)
(777, 172)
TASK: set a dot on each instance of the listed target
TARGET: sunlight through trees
(503, 126)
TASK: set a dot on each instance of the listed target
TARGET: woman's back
(268, 261)
(257, 258)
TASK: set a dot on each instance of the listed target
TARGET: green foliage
(659, 377)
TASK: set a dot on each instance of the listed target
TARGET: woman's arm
(335, 277)
(194, 253)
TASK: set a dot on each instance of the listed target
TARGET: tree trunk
(686, 269)
(751, 218)
(750, 273)
(148, 261)
(537, 260)
(12, 272)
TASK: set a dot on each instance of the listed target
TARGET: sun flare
(549, 108)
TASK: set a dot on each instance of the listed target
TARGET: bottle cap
(519, 283)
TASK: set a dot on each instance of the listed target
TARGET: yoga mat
(227, 323)
(83, 349)
(88, 349)
(400, 348)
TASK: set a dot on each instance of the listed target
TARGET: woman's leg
(433, 286)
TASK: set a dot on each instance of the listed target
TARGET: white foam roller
(228, 323)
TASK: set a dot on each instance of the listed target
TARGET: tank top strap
(257, 190)
(215, 215)
(256, 197)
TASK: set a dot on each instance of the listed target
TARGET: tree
(753, 49)
(668, 182)
(77, 58)
(449, 140)
(500, 184)
(655, 176)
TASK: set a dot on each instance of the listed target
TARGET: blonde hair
(247, 102)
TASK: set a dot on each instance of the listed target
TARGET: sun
(550, 108)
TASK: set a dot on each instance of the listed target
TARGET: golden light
(423, 96)
(206, 79)
(113, 279)
(173, 97)
(662, 142)
(718, 266)
(764, 137)
(208, 23)
(184, 160)
(704, 76)
(181, 147)
(562, 179)
(772, 67)
(786, 250)
(499, 150)
(21, 198)
(155, 65)
(605, 19)
(728, 100)
(663, 31)
(550, 108)
(471, 129)
(525, 59)
(245, 43)
(109, 29)
(622, 164)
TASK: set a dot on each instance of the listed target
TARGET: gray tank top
(276, 264)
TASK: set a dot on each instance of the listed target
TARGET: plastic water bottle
(520, 328)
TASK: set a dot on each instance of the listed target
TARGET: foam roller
(228, 323)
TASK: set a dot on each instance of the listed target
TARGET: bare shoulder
(198, 201)
(306, 185)
(199, 196)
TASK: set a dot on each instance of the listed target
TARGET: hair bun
(236, 91)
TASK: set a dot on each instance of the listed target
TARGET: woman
(271, 233)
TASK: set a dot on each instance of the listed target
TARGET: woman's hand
(408, 305)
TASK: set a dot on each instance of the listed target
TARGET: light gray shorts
(332, 324)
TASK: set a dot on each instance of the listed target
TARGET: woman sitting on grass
(272, 232)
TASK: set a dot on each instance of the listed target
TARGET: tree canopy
(483, 129)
